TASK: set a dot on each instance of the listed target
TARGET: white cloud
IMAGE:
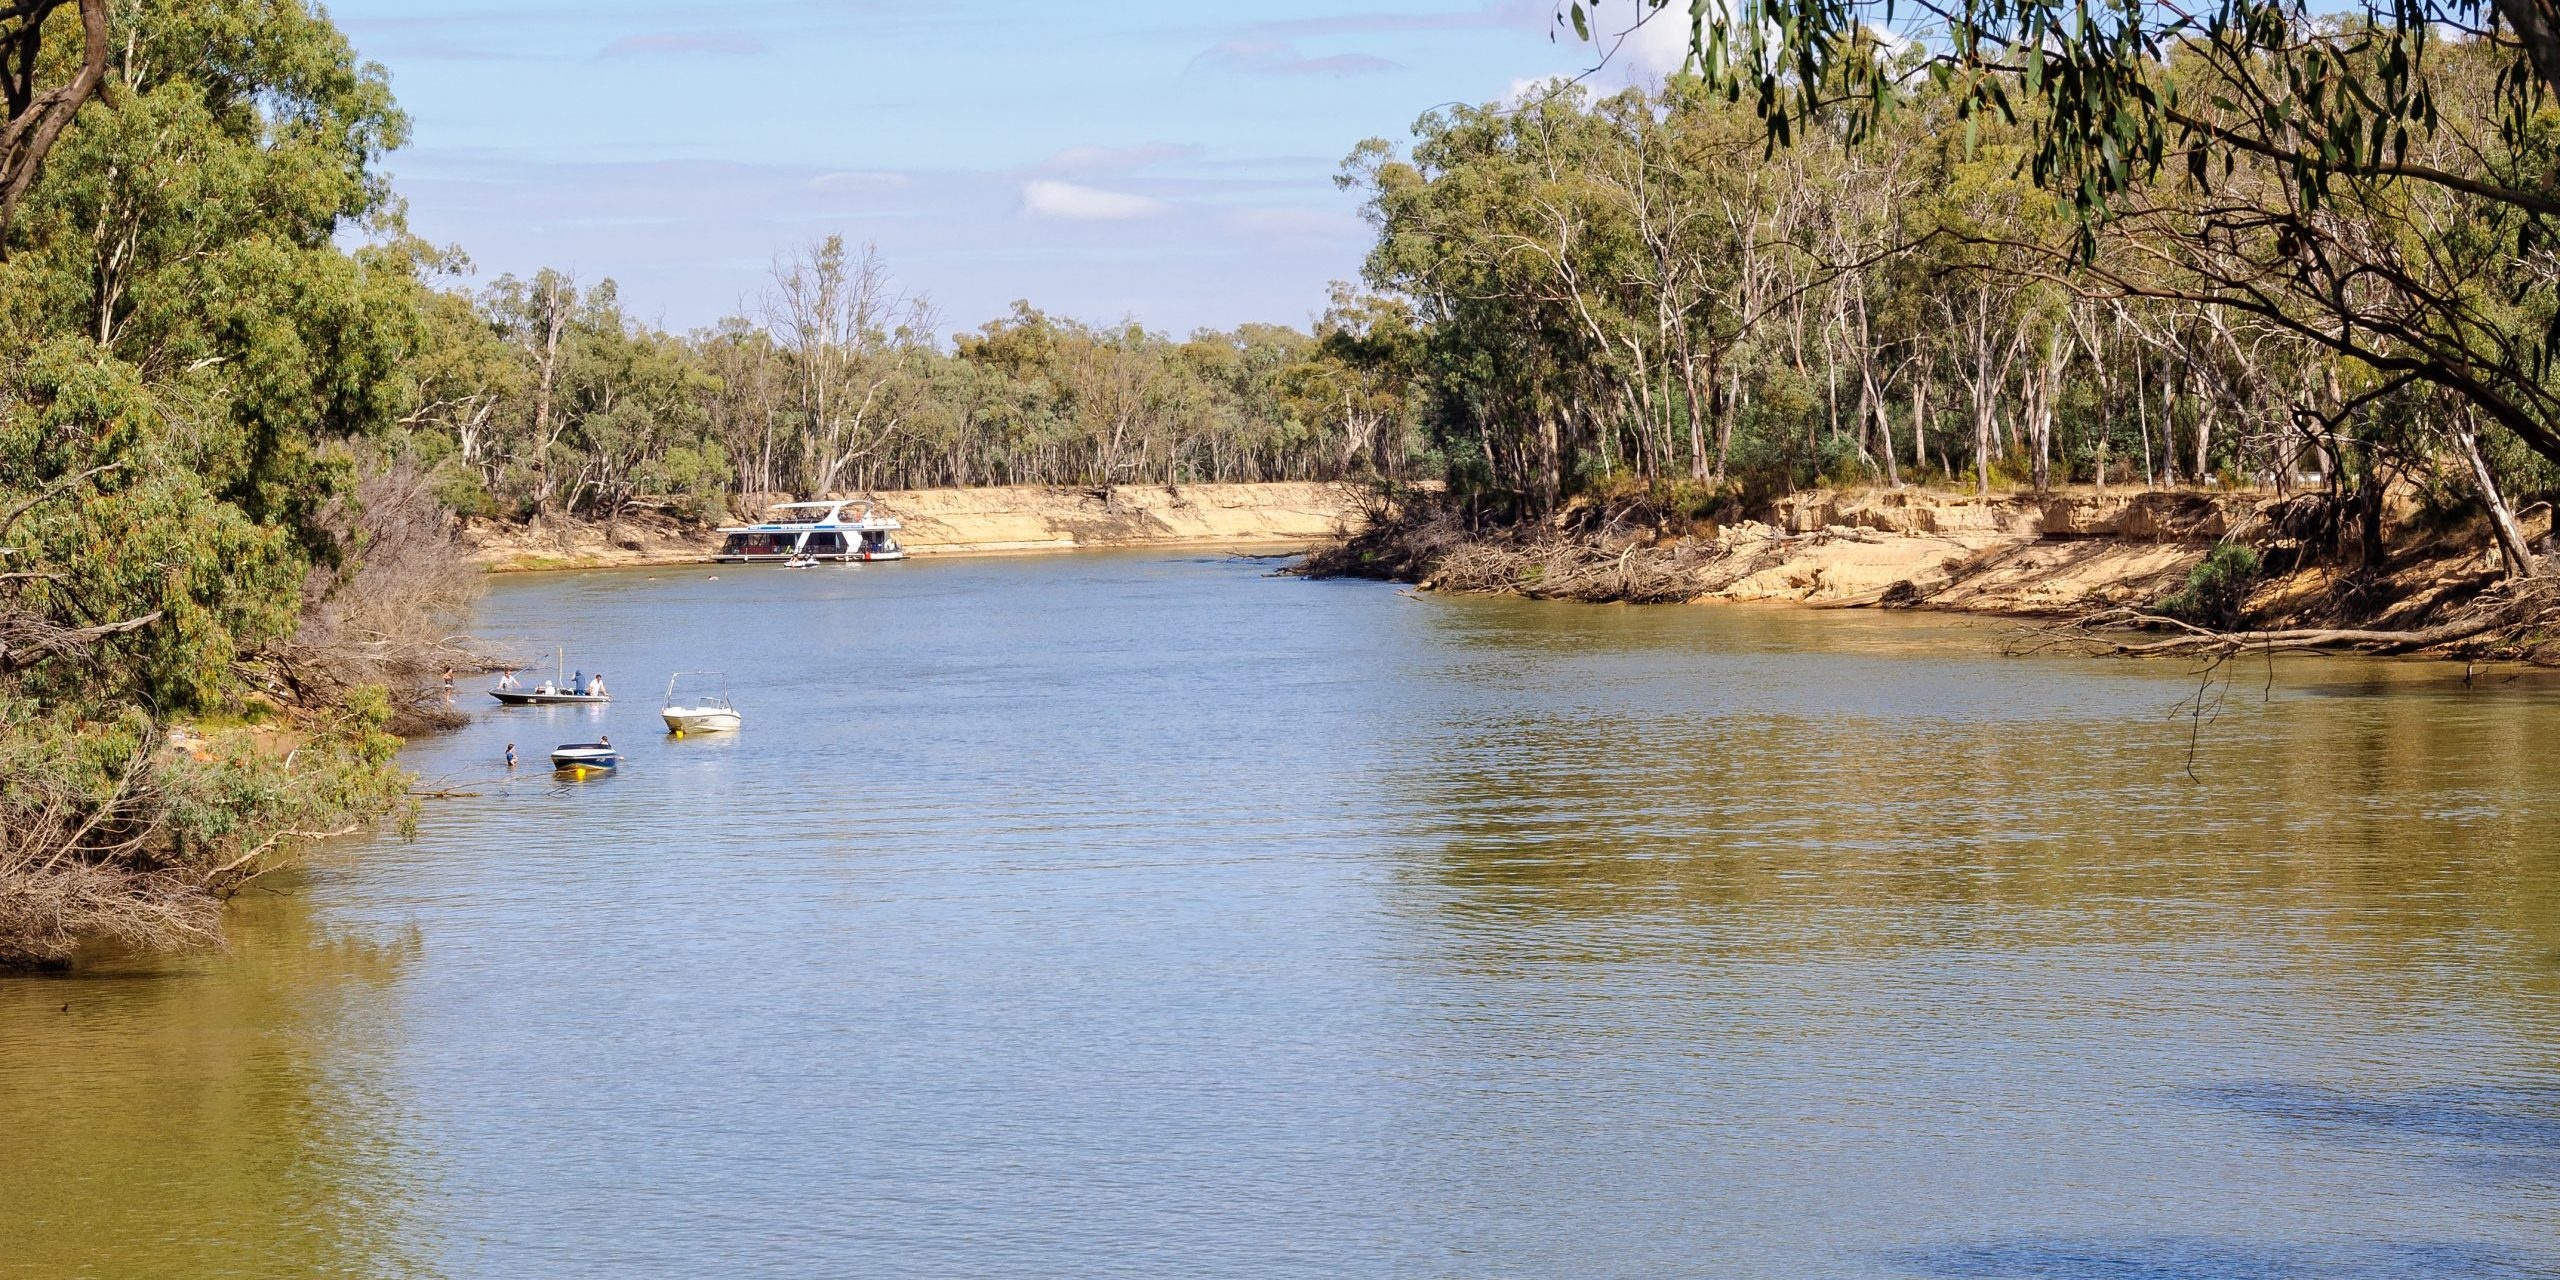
(1281, 58)
(1659, 45)
(683, 42)
(1090, 159)
(1068, 200)
(1297, 224)
(857, 180)
(1532, 88)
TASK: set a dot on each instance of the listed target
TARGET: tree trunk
(34, 119)
(2502, 519)
(2168, 429)
(2537, 28)
(2204, 439)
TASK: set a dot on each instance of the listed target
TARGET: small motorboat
(545, 696)
(558, 691)
(582, 758)
(697, 713)
(802, 561)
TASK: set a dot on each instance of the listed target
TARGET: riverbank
(2069, 554)
(959, 521)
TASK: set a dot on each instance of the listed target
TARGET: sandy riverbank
(2062, 554)
(950, 521)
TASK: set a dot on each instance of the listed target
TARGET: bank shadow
(2205, 1258)
(2506, 1132)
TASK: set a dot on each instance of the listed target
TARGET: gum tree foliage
(1635, 296)
(196, 362)
(2379, 181)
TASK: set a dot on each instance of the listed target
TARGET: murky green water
(1144, 916)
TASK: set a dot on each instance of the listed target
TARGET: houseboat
(813, 531)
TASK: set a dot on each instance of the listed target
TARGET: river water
(1145, 915)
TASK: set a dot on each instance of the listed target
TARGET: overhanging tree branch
(35, 119)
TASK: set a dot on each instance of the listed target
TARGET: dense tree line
(1641, 291)
(549, 397)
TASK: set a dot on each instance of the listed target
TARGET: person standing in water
(511, 755)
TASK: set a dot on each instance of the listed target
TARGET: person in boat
(578, 681)
(595, 686)
(506, 680)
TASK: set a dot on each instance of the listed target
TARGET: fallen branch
(2531, 603)
(26, 640)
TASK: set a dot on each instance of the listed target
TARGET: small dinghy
(582, 758)
(697, 712)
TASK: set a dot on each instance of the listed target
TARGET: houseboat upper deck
(818, 530)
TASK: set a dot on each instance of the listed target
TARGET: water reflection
(2507, 1132)
(211, 1116)
(1130, 915)
(1925, 949)
(2186, 1258)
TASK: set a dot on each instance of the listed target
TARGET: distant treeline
(548, 397)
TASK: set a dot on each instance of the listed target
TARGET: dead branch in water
(2503, 613)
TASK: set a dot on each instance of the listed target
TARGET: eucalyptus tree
(535, 317)
(2379, 183)
(209, 305)
(844, 330)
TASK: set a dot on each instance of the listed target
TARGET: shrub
(2216, 594)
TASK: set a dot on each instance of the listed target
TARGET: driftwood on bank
(2505, 615)
(1595, 568)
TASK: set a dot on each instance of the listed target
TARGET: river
(1146, 915)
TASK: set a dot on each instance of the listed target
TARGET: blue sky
(1152, 158)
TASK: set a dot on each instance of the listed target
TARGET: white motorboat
(800, 533)
(697, 713)
(582, 758)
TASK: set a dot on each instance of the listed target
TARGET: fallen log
(2529, 602)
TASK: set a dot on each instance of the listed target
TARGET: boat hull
(594, 756)
(528, 698)
(699, 720)
(829, 557)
